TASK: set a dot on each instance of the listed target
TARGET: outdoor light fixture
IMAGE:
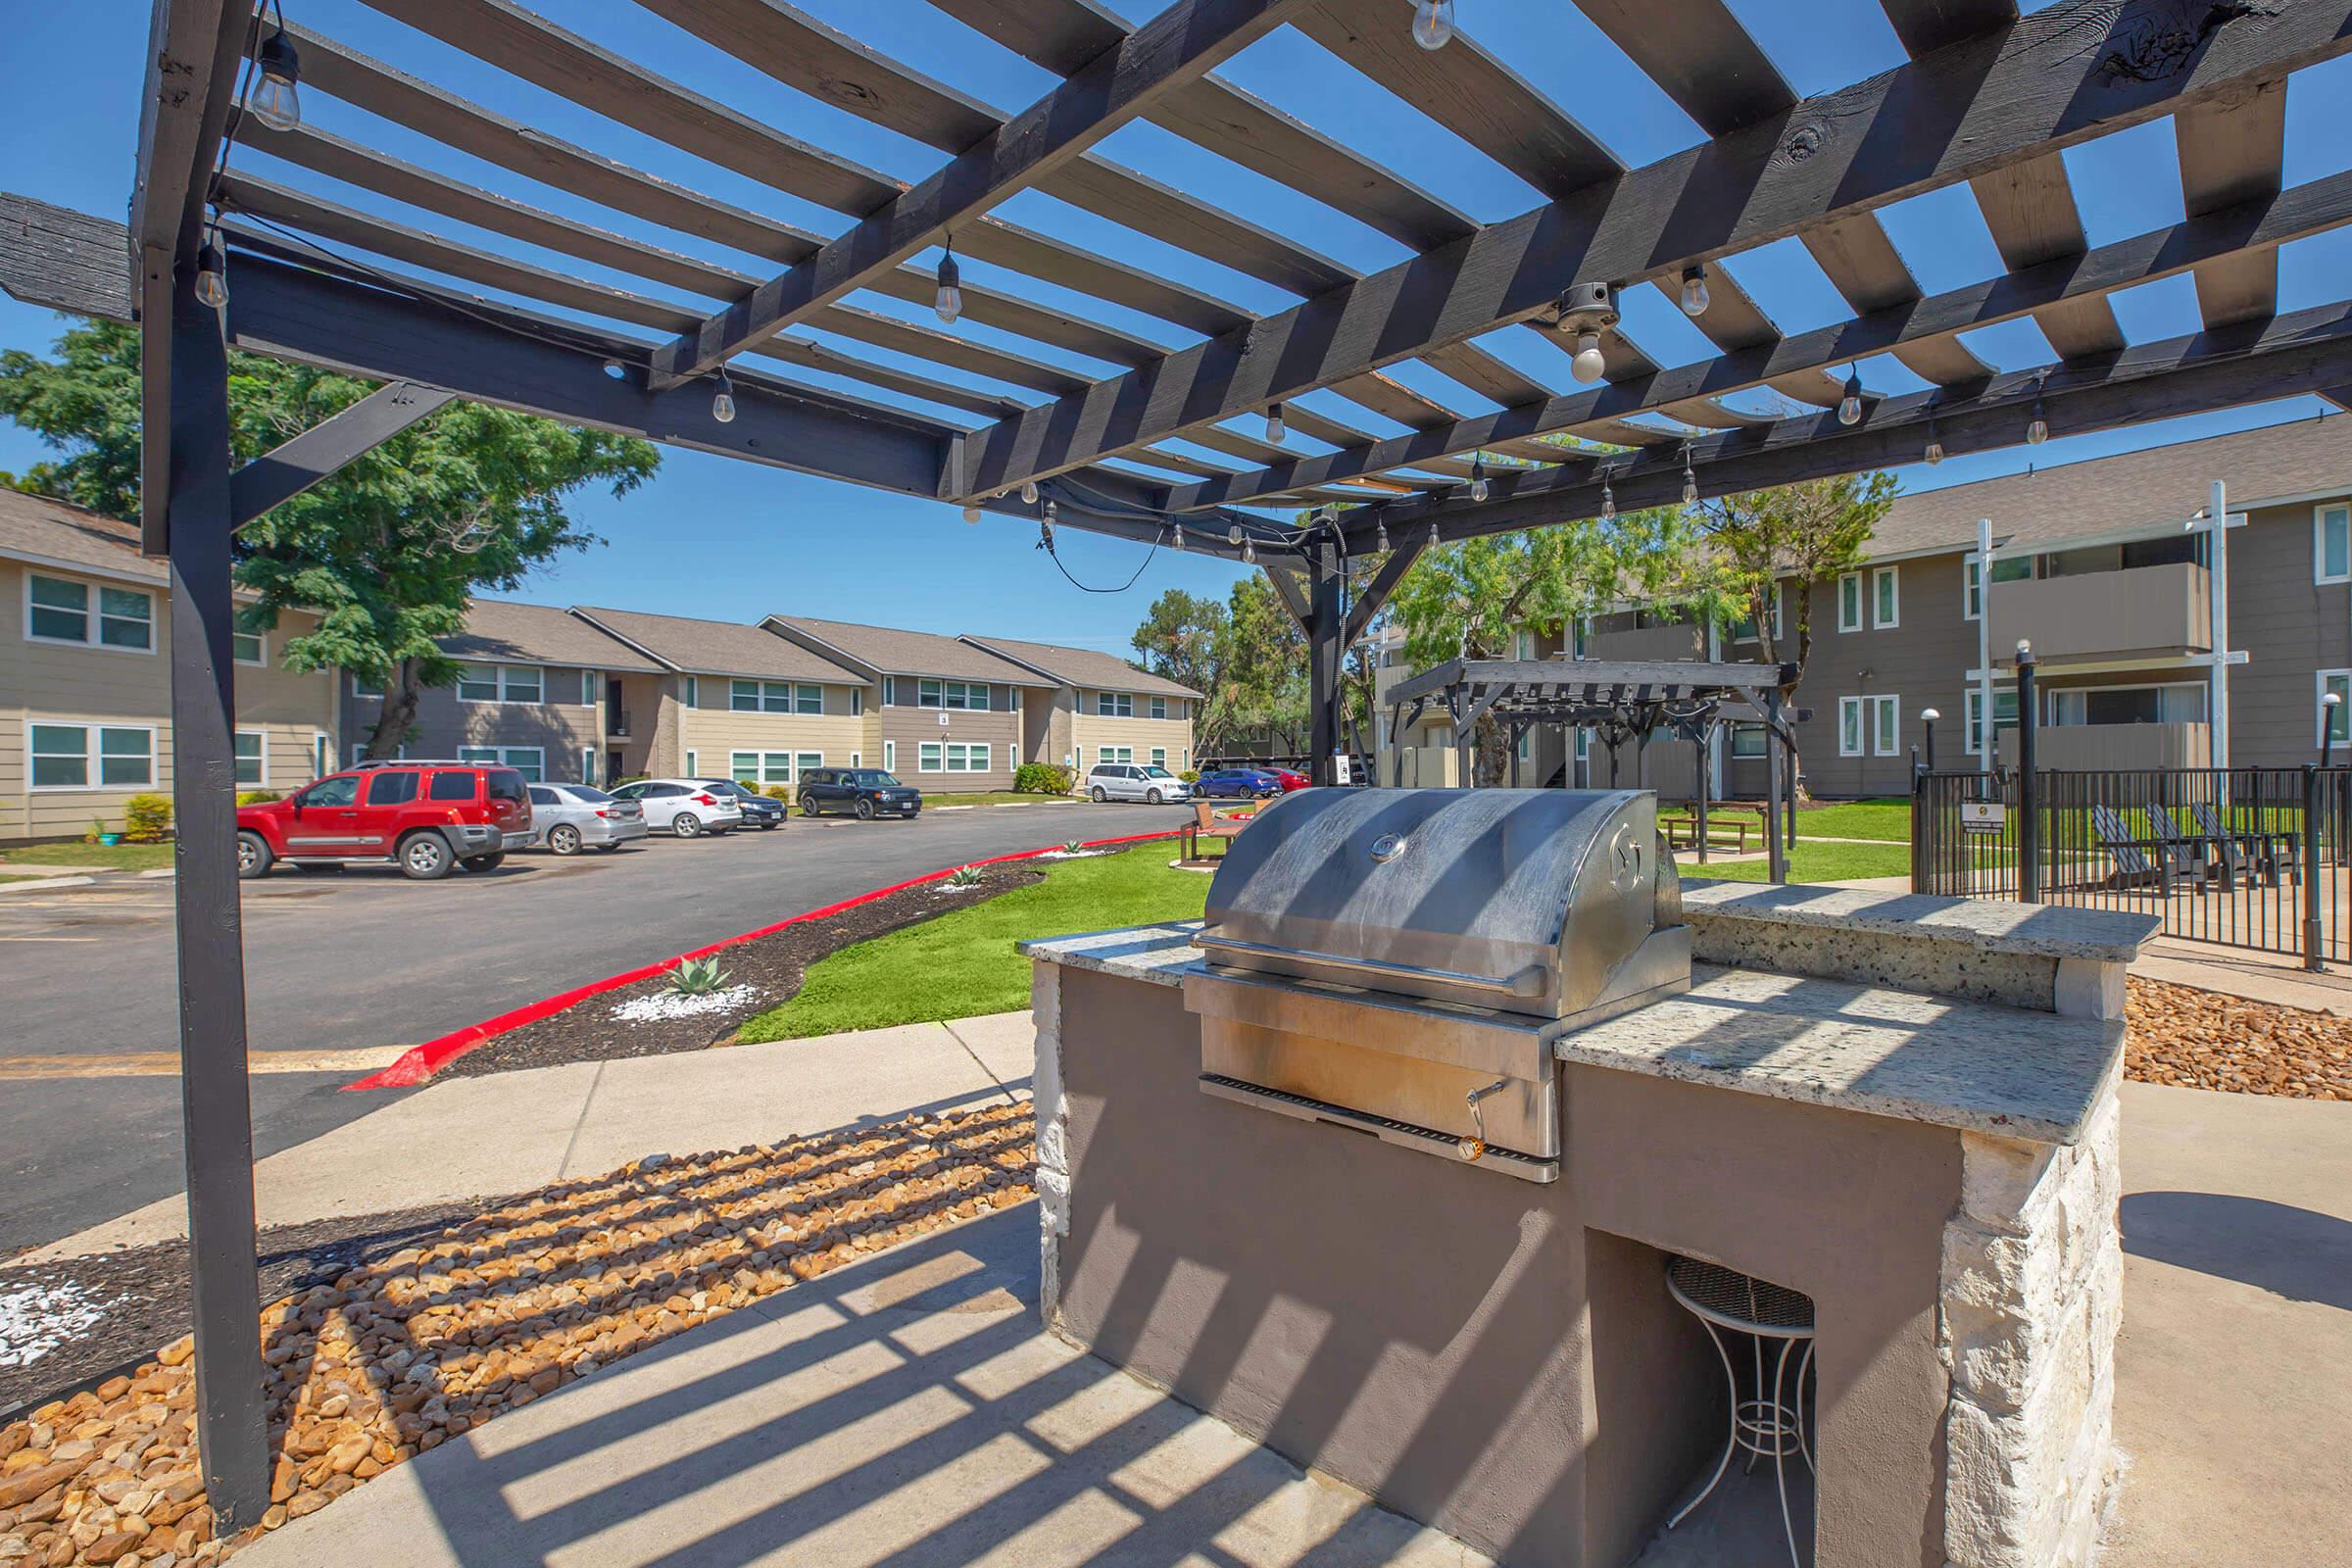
(949, 302)
(1695, 291)
(1849, 407)
(1433, 536)
(1274, 430)
(1934, 451)
(1380, 533)
(972, 511)
(1689, 479)
(1233, 534)
(1479, 488)
(1248, 551)
(1179, 539)
(1586, 310)
(1588, 364)
(212, 276)
(2039, 430)
(275, 103)
(1432, 24)
(1029, 491)
(1608, 498)
(722, 401)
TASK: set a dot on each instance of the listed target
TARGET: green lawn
(963, 963)
(98, 856)
(1888, 820)
(933, 798)
(1810, 861)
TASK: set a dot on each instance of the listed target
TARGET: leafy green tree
(1798, 534)
(388, 550)
(1183, 638)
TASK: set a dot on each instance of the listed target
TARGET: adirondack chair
(2135, 866)
(2192, 854)
(2265, 848)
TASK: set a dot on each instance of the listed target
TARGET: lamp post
(2328, 710)
(1926, 718)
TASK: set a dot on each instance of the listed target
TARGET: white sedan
(684, 807)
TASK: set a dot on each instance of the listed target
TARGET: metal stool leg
(1804, 1445)
(1780, 1446)
(1731, 1441)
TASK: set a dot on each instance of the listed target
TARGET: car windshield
(1158, 772)
(873, 778)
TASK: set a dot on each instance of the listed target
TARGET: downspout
(2217, 584)
(1986, 729)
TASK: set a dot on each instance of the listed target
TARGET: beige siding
(908, 726)
(559, 726)
(45, 682)
(1090, 732)
(715, 731)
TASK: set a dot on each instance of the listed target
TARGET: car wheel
(807, 806)
(686, 825)
(866, 810)
(565, 839)
(253, 855)
(424, 858)
(1150, 797)
(484, 862)
(1100, 794)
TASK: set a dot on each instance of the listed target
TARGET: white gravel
(37, 1320)
(662, 1005)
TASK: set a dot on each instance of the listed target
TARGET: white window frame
(694, 692)
(975, 757)
(502, 679)
(93, 755)
(2319, 542)
(1123, 754)
(1159, 757)
(692, 770)
(592, 688)
(1855, 579)
(261, 642)
(2320, 681)
(261, 758)
(2053, 696)
(1114, 704)
(1160, 707)
(930, 757)
(889, 757)
(1891, 577)
(503, 757)
(1853, 726)
(588, 765)
(1886, 725)
(1969, 741)
(803, 761)
(94, 616)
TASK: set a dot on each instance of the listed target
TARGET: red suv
(423, 817)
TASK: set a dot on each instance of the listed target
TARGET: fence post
(1919, 826)
(2314, 938)
(2029, 783)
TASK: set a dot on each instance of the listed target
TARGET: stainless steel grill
(1400, 961)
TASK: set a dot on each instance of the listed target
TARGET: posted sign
(1339, 767)
(1981, 816)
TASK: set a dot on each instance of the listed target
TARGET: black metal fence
(2243, 856)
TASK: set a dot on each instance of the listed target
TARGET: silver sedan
(572, 817)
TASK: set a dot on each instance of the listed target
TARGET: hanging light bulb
(2039, 430)
(972, 511)
(722, 401)
(275, 103)
(1849, 407)
(1233, 534)
(1029, 491)
(1608, 498)
(1249, 552)
(1380, 533)
(1588, 364)
(1433, 536)
(1432, 24)
(1179, 539)
(212, 276)
(1934, 451)
(1479, 488)
(1695, 291)
(1690, 481)
(948, 300)
(1274, 427)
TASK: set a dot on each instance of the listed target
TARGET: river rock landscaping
(401, 1354)
(2205, 1040)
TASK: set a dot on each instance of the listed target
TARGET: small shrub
(1191, 775)
(147, 817)
(96, 832)
(697, 977)
(780, 792)
(1043, 778)
(965, 876)
(257, 797)
(1073, 847)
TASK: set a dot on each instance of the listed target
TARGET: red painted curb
(419, 1062)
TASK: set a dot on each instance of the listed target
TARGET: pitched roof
(909, 653)
(502, 631)
(1083, 668)
(2156, 488)
(52, 530)
(720, 647)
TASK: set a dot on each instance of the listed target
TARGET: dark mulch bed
(145, 1291)
(587, 1031)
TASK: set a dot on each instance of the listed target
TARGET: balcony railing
(2108, 748)
(616, 723)
(2102, 614)
(1646, 643)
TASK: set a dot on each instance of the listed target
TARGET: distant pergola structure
(1620, 700)
(1986, 98)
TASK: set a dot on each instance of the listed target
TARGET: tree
(1809, 531)
(1261, 665)
(388, 550)
(1183, 638)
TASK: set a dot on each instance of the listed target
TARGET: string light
(1608, 498)
(972, 511)
(1249, 552)
(1380, 533)
(1689, 479)
(2039, 430)
(1274, 427)
(1934, 451)
(1588, 364)
(1695, 291)
(1479, 488)
(1433, 536)
(212, 276)
(722, 401)
(948, 300)
(1432, 24)
(1029, 492)
(1849, 407)
(275, 103)
(1179, 539)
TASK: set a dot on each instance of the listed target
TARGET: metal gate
(2244, 856)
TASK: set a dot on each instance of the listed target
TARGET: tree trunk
(399, 716)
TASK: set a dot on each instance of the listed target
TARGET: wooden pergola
(1986, 99)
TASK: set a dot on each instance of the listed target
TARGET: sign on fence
(1981, 816)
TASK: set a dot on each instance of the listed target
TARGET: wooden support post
(1706, 760)
(216, 1104)
(1326, 626)
(1776, 772)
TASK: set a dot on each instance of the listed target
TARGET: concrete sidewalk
(463, 1137)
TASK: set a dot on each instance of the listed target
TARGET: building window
(359, 753)
(367, 688)
(2006, 569)
(2332, 544)
(253, 766)
(1160, 707)
(968, 758)
(693, 763)
(757, 770)
(927, 756)
(1886, 725)
(956, 694)
(59, 611)
(248, 648)
(83, 757)
(2004, 713)
(1114, 704)
(2335, 724)
(500, 683)
(2179, 702)
(588, 762)
(889, 757)
(806, 762)
(1886, 598)
(528, 761)
(1850, 602)
(591, 687)
(774, 697)
(1113, 754)
(1159, 757)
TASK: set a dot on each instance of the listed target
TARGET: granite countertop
(1987, 925)
(1157, 953)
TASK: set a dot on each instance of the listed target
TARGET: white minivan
(1135, 782)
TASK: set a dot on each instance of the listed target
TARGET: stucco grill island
(1387, 1163)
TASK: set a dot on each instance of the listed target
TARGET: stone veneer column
(2032, 1299)
(1052, 1178)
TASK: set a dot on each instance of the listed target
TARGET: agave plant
(1075, 846)
(697, 977)
(965, 876)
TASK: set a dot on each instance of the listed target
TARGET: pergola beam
(2257, 227)
(2060, 77)
(292, 466)
(1181, 44)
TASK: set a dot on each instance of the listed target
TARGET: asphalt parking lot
(89, 1097)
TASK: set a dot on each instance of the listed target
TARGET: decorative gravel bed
(771, 967)
(2205, 1040)
(400, 1354)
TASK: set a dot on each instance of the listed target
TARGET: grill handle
(1528, 982)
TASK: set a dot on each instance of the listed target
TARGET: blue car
(1246, 782)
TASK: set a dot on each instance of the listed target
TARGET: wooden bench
(1206, 824)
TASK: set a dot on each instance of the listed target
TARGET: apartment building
(1102, 708)
(2104, 566)
(86, 681)
(948, 713)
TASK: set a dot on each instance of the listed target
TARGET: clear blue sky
(721, 538)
